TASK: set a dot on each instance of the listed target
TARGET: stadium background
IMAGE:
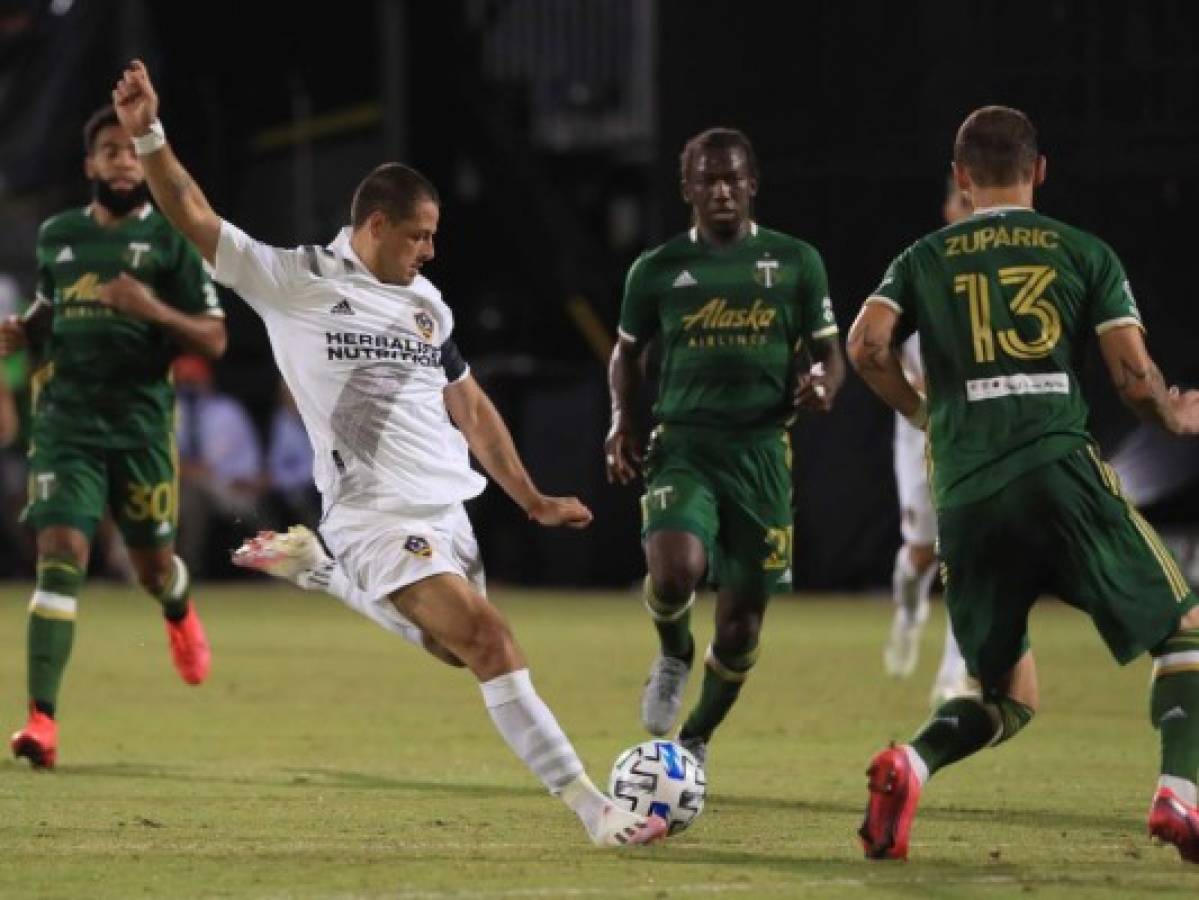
(553, 130)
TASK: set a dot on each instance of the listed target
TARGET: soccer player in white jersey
(916, 561)
(364, 343)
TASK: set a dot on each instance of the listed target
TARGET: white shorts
(917, 519)
(384, 552)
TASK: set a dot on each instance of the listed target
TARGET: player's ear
(961, 178)
(1039, 171)
(685, 191)
(753, 187)
(89, 169)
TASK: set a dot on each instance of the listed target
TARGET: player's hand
(813, 391)
(622, 452)
(129, 297)
(1186, 409)
(552, 511)
(12, 336)
(134, 99)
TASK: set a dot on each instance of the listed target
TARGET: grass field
(325, 758)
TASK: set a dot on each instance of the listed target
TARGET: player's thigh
(143, 493)
(992, 577)
(754, 547)
(1113, 564)
(67, 486)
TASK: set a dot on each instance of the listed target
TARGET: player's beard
(119, 202)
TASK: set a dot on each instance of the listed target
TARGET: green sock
(673, 623)
(964, 725)
(175, 592)
(51, 628)
(723, 677)
(1174, 704)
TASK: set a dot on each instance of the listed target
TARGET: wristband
(152, 141)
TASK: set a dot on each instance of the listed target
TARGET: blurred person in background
(119, 294)
(220, 461)
(291, 494)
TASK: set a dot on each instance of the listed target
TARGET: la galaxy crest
(766, 271)
(418, 546)
(424, 324)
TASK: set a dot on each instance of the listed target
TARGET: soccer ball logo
(660, 778)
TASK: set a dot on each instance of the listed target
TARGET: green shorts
(731, 491)
(70, 484)
(1064, 529)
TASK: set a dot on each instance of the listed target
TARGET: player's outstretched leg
(952, 679)
(166, 578)
(910, 583)
(462, 620)
(50, 636)
(1174, 707)
(960, 727)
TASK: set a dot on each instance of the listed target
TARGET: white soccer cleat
(620, 828)
(902, 651)
(662, 699)
(291, 555)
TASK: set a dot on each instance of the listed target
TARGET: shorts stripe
(1177, 583)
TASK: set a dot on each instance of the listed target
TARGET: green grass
(326, 758)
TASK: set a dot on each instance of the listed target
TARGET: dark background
(553, 129)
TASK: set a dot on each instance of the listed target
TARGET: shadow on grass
(297, 777)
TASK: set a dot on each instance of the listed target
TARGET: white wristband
(152, 141)
(919, 418)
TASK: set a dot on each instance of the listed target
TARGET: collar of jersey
(341, 245)
(142, 214)
(991, 210)
(694, 232)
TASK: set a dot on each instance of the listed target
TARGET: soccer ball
(660, 778)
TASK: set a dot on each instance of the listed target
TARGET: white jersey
(918, 521)
(367, 363)
(909, 441)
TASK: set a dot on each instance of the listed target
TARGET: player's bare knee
(921, 556)
(735, 634)
(1189, 621)
(489, 648)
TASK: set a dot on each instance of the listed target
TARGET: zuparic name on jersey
(360, 345)
(990, 237)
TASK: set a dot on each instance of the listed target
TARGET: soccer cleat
(620, 828)
(697, 747)
(37, 741)
(662, 698)
(292, 554)
(1175, 822)
(894, 793)
(189, 647)
(902, 651)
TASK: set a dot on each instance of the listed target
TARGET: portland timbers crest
(424, 324)
(766, 271)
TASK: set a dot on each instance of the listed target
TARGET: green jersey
(1004, 301)
(730, 320)
(106, 382)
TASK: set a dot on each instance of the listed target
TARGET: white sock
(919, 766)
(953, 666)
(530, 729)
(331, 578)
(1184, 790)
(909, 588)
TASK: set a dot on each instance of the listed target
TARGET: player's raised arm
(491, 443)
(872, 354)
(178, 197)
(1141, 386)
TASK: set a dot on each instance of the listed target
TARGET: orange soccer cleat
(1175, 822)
(894, 793)
(37, 741)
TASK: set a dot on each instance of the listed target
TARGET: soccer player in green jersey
(747, 336)
(1003, 301)
(120, 293)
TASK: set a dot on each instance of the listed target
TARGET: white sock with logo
(1184, 790)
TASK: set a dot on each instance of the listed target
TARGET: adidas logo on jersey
(65, 255)
(343, 308)
(685, 279)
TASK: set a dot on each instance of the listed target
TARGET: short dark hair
(997, 145)
(717, 139)
(101, 118)
(393, 189)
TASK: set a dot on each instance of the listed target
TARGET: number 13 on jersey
(1030, 282)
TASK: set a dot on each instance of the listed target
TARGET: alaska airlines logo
(86, 287)
(717, 313)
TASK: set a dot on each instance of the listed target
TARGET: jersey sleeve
(816, 307)
(264, 276)
(893, 290)
(1111, 303)
(638, 309)
(188, 287)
